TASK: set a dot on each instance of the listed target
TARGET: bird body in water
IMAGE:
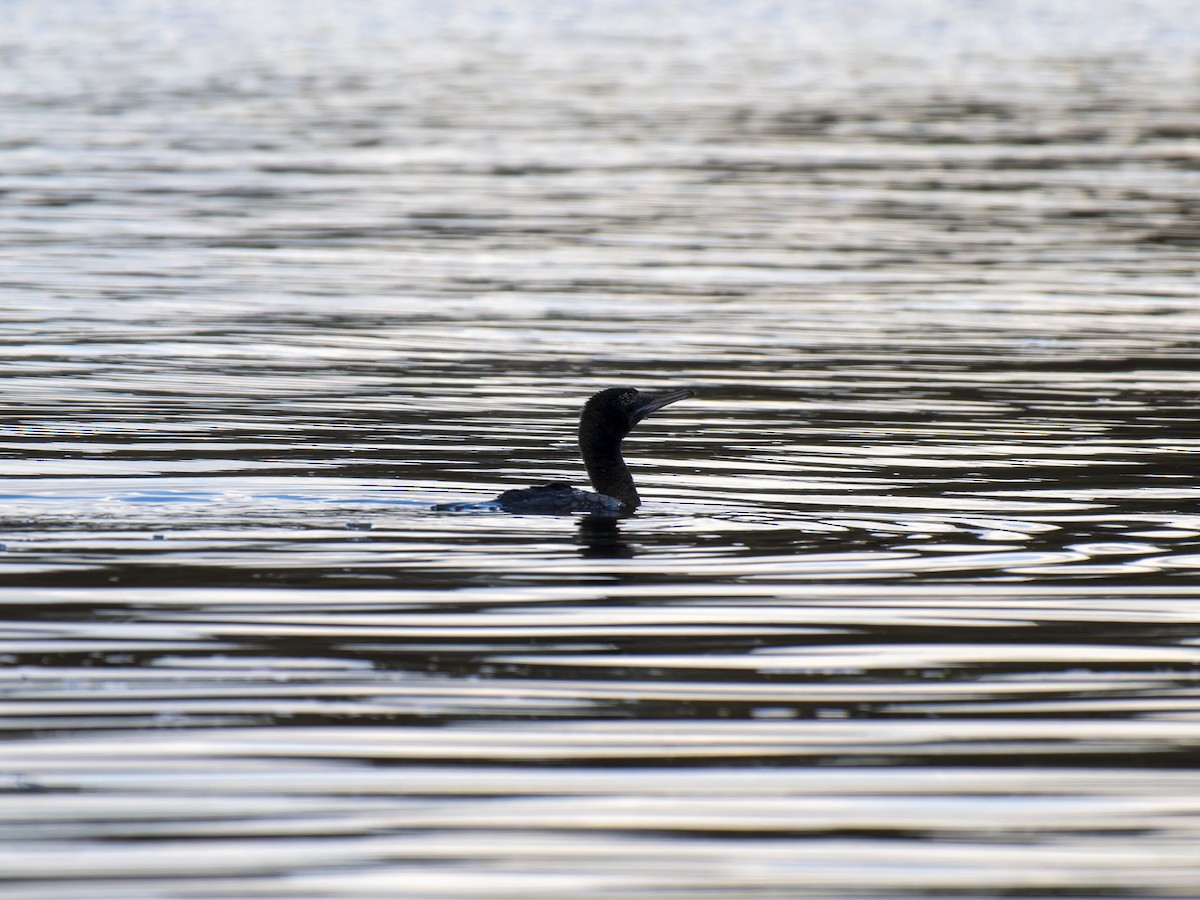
(607, 417)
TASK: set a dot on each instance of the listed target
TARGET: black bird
(607, 417)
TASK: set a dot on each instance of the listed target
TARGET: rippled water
(911, 608)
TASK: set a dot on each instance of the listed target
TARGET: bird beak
(655, 402)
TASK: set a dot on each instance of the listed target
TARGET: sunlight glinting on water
(909, 608)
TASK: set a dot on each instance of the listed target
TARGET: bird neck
(607, 470)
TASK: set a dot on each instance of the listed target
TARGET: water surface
(910, 609)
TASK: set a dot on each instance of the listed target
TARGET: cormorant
(607, 417)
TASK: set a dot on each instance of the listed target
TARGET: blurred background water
(911, 608)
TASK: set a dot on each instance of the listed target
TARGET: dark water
(911, 609)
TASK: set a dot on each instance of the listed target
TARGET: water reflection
(599, 537)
